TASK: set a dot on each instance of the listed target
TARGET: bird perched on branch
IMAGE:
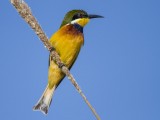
(67, 41)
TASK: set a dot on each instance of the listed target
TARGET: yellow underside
(68, 47)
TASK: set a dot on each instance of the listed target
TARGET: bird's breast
(67, 41)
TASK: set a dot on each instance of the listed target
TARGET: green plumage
(69, 16)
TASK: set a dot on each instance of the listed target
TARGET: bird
(67, 42)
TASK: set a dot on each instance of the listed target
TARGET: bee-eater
(67, 41)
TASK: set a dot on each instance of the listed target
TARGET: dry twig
(26, 14)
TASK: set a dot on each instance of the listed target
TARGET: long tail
(44, 102)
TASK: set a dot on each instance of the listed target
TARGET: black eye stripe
(79, 15)
(76, 16)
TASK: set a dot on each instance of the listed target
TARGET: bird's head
(79, 17)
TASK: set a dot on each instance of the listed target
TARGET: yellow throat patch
(81, 21)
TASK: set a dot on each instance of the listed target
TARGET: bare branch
(26, 14)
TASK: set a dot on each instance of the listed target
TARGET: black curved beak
(94, 16)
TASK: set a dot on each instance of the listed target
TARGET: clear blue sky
(118, 68)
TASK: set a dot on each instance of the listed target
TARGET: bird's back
(67, 41)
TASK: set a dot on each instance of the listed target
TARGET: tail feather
(44, 102)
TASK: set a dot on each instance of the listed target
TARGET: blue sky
(118, 68)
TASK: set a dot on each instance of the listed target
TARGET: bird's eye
(76, 16)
